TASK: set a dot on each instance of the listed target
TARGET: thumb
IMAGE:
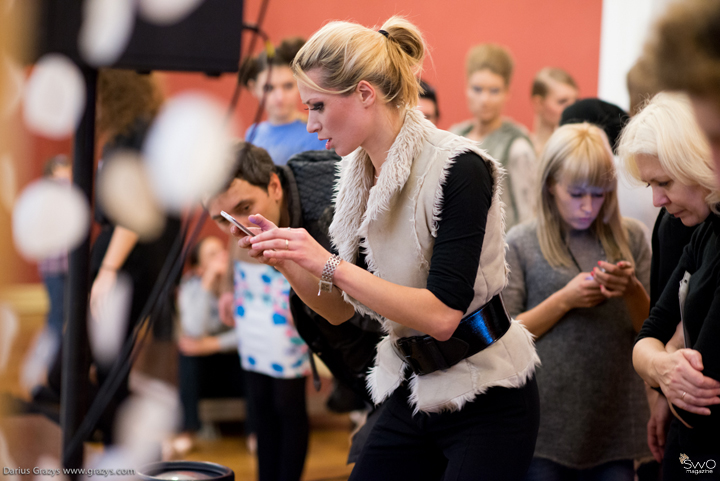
(694, 358)
(262, 222)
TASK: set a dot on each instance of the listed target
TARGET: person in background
(127, 104)
(427, 103)
(640, 85)
(53, 270)
(684, 54)
(283, 134)
(274, 357)
(553, 89)
(634, 201)
(578, 281)
(489, 69)
(208, 360)
(663, 147)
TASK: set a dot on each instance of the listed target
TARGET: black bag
(348, 350)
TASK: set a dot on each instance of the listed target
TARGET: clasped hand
(275, 246)
(680, 377)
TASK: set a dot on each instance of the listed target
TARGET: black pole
(76, 350)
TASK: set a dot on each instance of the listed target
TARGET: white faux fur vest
(395, 223)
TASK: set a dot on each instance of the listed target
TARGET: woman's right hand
(244, 241)
(583, 291)
(680, 377)
(657, 427)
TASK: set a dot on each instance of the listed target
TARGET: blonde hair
(579, 154)
(542, 80)
(666, 128)
(493, 57)
(347, 53)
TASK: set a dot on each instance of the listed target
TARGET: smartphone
(237, 224)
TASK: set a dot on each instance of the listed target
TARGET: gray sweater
(592, 403)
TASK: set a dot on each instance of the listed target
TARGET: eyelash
(317, 107)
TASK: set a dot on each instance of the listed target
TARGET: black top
(669, 238)
(701, 258)
(467, 195)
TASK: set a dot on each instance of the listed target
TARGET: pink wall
(561, 33)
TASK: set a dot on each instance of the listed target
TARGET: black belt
(425, 354)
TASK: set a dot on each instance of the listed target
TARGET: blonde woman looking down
(419, 232)
(578, 281)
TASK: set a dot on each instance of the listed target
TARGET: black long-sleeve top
(467, 195)
(701, 258)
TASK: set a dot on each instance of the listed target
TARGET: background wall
(561, 33)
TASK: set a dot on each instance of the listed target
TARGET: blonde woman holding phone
(418, 229)
(578, 281)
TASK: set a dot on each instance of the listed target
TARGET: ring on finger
(683, 395)
(287, 245)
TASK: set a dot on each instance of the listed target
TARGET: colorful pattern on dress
(267, 339)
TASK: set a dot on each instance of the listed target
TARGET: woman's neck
(378, 144)
(481, 129)
(541, 131)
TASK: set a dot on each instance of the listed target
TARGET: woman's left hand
(288, 244)
(615, 279)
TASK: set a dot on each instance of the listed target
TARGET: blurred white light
(38, 359)
(127, 198)
(167, 12)
(188, 150)
(8, 330)
(112, 457)
(49, 218)
(13, 86)
(54, 97)
(108, 323)
(147, 419)
(106, 30)
(8, 182)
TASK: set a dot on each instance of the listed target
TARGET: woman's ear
(367, 93)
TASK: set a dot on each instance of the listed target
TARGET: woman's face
(685, 202)
(281, 101)
(344, 120)
(578, 205)
(486, 95)
(550, 107)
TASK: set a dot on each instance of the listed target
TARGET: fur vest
(395, 223)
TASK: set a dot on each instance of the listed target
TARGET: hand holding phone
(237, 224)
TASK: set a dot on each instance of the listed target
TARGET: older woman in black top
(664, 147)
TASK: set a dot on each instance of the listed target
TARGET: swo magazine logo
(705, 467)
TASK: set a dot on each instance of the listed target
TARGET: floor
(27, 441)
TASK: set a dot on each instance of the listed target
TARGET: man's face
(428, 109)
(707, 113)
(243, 199)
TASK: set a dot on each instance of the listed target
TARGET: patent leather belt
(425, 354)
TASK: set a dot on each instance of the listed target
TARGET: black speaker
(207, 40)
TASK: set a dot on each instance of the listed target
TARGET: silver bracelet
(326, 279)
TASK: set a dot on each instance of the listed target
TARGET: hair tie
(384, 33)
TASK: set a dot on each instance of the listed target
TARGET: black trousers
(214, 376)
(281, 424)
(699, 449)
(491, 438)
